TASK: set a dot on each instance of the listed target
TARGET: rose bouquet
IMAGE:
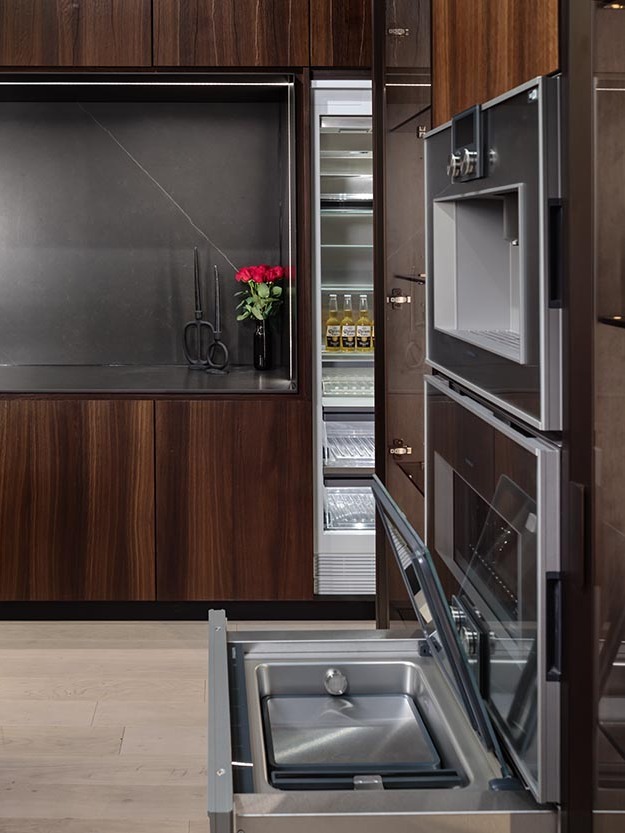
(262, 296)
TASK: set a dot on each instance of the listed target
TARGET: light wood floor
(103, 727)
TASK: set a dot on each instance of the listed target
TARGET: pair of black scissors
(202, 344)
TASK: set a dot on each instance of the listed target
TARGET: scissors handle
(196, 343)
(215, 360)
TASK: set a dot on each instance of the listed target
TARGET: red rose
(276, 273)
(259, 273)
(245, 275)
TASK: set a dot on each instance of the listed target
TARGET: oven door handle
(553, 622)
(220, 788)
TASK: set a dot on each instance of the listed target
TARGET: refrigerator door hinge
(400, 449)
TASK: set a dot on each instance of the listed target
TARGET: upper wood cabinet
(234, 500)
(482, 48)
(76, 500)
(340, 33)
(231, 33)
(75, 33)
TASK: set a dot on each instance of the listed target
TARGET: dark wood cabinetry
(76, 500)
(481, 48)
(75, 33)
(230, 33)
(340, 33)
(234, 500)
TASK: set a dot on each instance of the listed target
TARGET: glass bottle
(348, 328)
(333, 327)
(364, 336)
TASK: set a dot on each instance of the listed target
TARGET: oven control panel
(466, 160)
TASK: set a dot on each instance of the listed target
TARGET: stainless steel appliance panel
(494, 293)
(494, 517)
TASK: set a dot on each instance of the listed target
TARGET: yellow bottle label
(348, 336)
(333, 336)
(363, 336)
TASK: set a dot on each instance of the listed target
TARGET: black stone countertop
(155, 380)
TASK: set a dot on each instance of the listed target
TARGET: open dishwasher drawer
(351, 731)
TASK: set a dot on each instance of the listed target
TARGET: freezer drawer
(249, 671)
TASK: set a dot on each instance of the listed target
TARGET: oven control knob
(468, 162)
(335, 682)
(453, 165)
(469, 640)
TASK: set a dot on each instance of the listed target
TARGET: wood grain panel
(234, 500)
(75, 33)
(482, 48)
(227, 33)
(411, 50)
(340, 33)
(76, 500)
(194, 500)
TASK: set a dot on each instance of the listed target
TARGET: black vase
(262, 346)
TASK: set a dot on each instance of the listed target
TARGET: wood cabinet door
(75, 33)
(234, 500)
(482, 48)
(340, 33)
(231, 33)
(76, 500)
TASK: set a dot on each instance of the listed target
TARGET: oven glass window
(494, 544)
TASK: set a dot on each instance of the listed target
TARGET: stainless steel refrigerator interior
(344, 338)
(493, 216)
(369, 727)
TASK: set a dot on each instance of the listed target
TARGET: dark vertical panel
(578, 716)
(76, 500)
(401, 104)
(379, 292)
(230, 33)
(83, 33)
(340, 33)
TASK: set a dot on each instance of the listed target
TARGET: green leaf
(257, 313)
(263, 290)
(243, 316)
(277, 290)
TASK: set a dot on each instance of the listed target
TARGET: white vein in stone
(163, 190)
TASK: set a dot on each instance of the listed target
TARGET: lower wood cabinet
(234, 500)
(76, 500)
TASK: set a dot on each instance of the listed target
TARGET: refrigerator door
(494, 517)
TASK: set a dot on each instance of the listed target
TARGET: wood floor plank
(129, 770)
(180, 802)
(47, 712)
(172, 713)
(35, 741)
(164, 741)
(155, 688)
(29, 825)
(104, 662)
(199, 826)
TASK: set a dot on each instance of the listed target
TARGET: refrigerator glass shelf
(347, 245)
(349, 508)
(350, 444)
(344, 382)
(346, 212)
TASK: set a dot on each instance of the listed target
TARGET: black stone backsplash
(101, 205)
